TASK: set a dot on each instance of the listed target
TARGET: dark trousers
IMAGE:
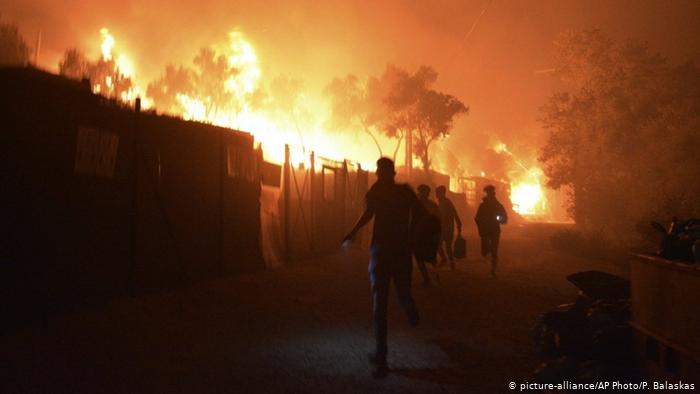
(424, 270)
(445, 248)
(387, 266)
(489, 245)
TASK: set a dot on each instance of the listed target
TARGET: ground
(305, 328)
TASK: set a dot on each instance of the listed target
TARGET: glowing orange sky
(492, 71)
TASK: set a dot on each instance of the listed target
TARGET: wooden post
(358, 191)
(222, 174)
(37, 49)
(286, 196)
(312, 199)
(409, 155)
(344, 194)
(130, 279)
(362, 187)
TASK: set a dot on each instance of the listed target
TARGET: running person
(392, 206)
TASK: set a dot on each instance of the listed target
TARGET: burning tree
(74, 65)
(13, 48)
(104, 74)
(623, 134)
(205, 82)
(164, 91)
(212, 72)
(179, 86)
(109, 75)
(219, 84)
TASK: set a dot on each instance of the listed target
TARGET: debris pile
(590, 339)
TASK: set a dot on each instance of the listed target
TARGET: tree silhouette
(623, 133)
(105, 76)
(357, 105)
(74, 65)
(164, 90)
(435, 113)
(13, 49)
(416, 108)
(210, 76)
(394, 104)
(284, 101)
(211, 80)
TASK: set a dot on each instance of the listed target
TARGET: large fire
(526, 191)
(527, 196)
(238, 101)
(115, 73)
(299, 123)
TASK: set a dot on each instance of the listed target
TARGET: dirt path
(303, 329)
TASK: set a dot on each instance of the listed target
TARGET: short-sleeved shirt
(392, 205)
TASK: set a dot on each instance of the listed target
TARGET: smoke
(493, 70)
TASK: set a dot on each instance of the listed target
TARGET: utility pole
(286, 196)
(37, 48)
(133, 239)
(312, 198)
(409, 155)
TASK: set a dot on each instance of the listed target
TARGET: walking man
(392, 206)
(448, 219)
(489, 218)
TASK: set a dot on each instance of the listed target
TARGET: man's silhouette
(448, 219)
(488, 219)
(427, 233)
(392, 206)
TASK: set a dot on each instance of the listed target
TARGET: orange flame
(273, 129)
(526, 191)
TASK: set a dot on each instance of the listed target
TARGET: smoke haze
(498, 66)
